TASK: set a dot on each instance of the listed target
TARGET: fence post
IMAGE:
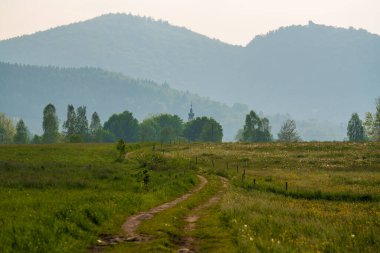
(243, 177)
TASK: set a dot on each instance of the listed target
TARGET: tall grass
(332, 203)
(59, 198)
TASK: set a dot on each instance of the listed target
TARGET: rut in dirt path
(189, 243)
(132, 223)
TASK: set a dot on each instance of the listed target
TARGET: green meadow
(60, 198)
(280, 197)
(331, 204)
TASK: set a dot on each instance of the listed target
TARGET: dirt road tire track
(132, 223)
(189, 243)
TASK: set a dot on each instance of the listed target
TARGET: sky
(232, 21)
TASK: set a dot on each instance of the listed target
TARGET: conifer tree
(355, 129)
(50, 124)
(21, 136)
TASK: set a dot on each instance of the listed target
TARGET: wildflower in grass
(352, 236)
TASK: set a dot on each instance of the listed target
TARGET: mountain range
(312, 72)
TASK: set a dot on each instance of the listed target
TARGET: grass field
(332, 203)
(60, 198)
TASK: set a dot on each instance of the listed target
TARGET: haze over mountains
(310, 72)
(26, 90)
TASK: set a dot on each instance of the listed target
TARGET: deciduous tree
(36, 139)
(81, 122)
(163, 127)
(7, 129)
(368, 125)
(256, 129)
(123, 126)
(203, 129)
(376, 121)
(171, 126)
(149, 130)
(288, 131)
(95, 125)
(70, 124)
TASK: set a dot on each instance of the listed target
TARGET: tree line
(124, 126)
(369, 130)
(258, 129)
(166, 128)
(158, 128)
(77, 128)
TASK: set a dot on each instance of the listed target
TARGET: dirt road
(132, 223)
(189, 243)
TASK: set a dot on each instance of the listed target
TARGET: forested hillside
(138, 47)
(26, 90)
(311, 72)
(315, 71)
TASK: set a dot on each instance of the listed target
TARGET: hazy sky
(233, 21)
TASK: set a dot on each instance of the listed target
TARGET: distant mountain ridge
(26, 90)
(135, 46)
(311, 71)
